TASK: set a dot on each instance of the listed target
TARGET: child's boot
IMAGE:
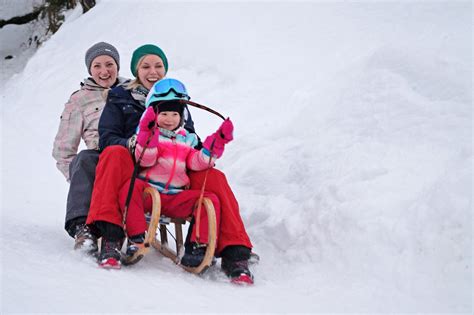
(193, 254)
(109, 257)
(136, 249)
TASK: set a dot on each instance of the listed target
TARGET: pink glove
(226, 131)
(148, 120)
(147, 124)
(220, 138)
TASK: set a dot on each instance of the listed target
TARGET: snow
(352, 158)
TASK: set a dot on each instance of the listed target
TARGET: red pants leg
(232, 230)
(114, 169)
(182, 205)
(135, 221)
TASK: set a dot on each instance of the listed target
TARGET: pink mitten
(147, 123)
(215, 143)
(226, 131)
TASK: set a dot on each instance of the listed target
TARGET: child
(167, 152)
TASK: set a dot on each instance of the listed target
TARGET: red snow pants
(115, 168)
(179, 205)
(232, 230)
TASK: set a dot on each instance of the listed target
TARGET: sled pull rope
(202, 107)
(201, 195)
(182, 101)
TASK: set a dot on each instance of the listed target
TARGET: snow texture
(352, 158)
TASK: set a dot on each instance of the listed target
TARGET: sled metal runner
(156, 227)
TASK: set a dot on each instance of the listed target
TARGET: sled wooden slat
(155, 218)
(211, 246)
(152, 226)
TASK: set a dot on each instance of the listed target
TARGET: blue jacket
(120, 118)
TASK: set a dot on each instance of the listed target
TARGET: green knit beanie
(147, 50)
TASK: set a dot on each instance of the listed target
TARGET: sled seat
(158, 224)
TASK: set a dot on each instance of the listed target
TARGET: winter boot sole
(110, 263)
(243, 279)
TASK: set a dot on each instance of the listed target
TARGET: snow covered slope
(352, 158)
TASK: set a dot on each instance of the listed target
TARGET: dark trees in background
(50, 14)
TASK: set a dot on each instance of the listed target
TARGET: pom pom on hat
(147, 50)
(100, 49)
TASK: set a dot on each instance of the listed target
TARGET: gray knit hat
(99, 49)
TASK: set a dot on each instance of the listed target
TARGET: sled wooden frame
(162, 244)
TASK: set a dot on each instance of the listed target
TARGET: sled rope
(202, 107)
(201, 195)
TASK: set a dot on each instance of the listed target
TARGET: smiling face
(150, 70)
(104, 71)
(169, 120)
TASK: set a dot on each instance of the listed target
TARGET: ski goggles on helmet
(162, 88)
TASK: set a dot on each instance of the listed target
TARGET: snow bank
(352, 160)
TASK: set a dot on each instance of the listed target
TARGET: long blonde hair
(135, 82)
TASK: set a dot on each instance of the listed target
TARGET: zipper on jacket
(173, 169)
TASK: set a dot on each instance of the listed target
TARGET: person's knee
(115, 150)
(217, 174)
(88, 155)
(116, 154)
(86, 159)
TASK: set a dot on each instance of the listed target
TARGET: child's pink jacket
(166, 165)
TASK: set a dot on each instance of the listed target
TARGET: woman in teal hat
(153, 65)
(117, 127)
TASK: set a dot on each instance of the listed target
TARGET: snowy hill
(352, 158)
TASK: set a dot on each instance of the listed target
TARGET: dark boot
(135, 249)
(193, 254)
(85, 240)
(112, 240)
(235, 264)
(109, 257)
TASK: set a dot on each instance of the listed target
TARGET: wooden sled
(157, 226)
